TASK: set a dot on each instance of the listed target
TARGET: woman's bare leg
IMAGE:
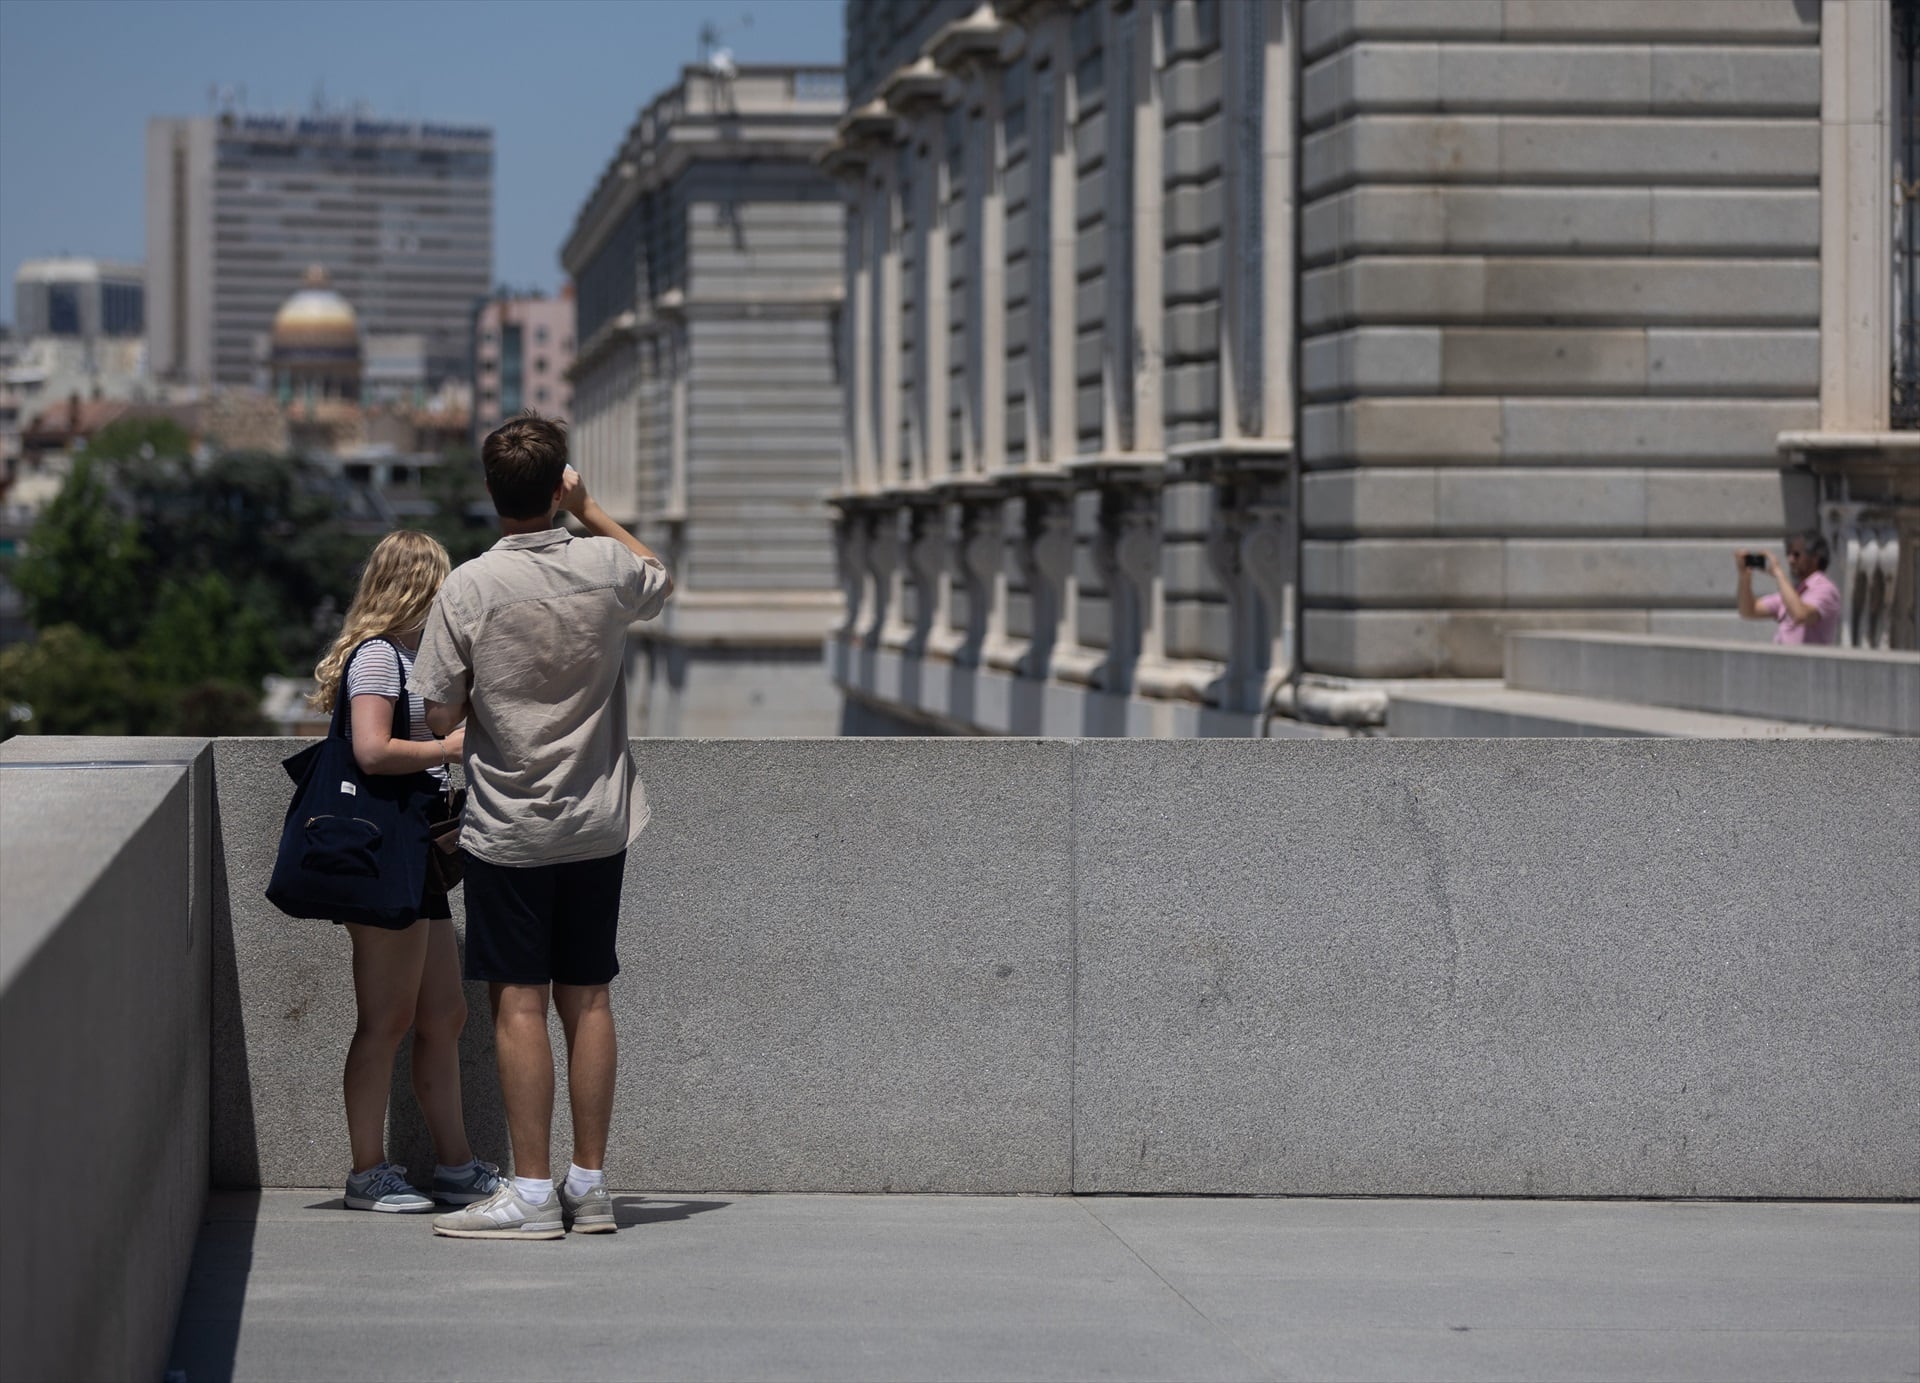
(440, 1013)
(386, 981)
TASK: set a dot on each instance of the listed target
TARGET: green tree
(69, 683)
(132, 440)
(273, 524)
(202, 630)
(216, 707)
(84, 564)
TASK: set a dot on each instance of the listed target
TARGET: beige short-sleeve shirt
(532, 635)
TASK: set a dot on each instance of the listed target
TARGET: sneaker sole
(522, 1233)
(594, 1227)
(362, 1203)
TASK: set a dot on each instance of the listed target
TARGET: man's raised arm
(577, 502)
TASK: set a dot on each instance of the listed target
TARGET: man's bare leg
(525, 1060)
(592, 1063)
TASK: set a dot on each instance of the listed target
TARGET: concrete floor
(287, 1286)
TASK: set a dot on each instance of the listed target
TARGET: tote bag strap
(402, 727)
(402, 704)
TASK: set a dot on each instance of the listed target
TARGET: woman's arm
(378, 752)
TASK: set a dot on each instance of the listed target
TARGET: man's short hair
(525, 458)
(1814, 543)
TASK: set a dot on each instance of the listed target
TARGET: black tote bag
(353, 847)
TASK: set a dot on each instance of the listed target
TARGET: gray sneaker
(506, 1214)
(588, 1214)
(385, 1187)
(464, 1188)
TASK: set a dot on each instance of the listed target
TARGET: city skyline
(556, 92)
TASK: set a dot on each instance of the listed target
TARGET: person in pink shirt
(1807, 609)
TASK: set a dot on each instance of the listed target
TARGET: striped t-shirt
(373, 672)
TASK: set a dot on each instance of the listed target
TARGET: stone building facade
(1213, 359)
(706, 390)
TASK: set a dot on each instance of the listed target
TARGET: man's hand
(573, 493)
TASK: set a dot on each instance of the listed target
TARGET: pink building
(522, 349)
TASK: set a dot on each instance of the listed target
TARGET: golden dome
(316, 318)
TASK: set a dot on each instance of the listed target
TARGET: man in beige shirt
(527, 643)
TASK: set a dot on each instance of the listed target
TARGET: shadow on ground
(629, 1212)
(206, 1338)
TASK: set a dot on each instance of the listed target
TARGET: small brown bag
(443, 841)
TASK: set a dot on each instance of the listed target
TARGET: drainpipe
(1286, 690)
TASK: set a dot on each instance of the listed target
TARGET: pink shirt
(1816, 591)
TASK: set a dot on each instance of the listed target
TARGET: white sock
(442, 1169)
(580, 1180)
(535, 1189)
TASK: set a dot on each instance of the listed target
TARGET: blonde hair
(402, 577)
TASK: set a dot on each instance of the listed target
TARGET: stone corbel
(1128, 553)
(882, 549)
(1251, 549)
(851, 531)
(977, 561)
(926, 557)
(1042, 533)
(1236, 688)
(1267, 555)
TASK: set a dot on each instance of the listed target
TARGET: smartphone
(1757, 559)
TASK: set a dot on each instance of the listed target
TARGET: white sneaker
(506, 1214)
(385, 1187)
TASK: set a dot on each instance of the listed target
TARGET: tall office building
(400, 213)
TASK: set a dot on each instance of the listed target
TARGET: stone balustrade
(1869, 486)
(1164, 581)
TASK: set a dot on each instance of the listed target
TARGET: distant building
(395, 368)
(522, 350)
(706, 397)
(238, 206)
(78, 336)
(315, 344)
(331, 391)
(79, 299)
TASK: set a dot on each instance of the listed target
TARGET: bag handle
(402, 710)
(402, 714)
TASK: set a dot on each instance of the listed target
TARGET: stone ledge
(1863, 689)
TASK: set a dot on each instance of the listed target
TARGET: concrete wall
(1327, 967)
(105, 941)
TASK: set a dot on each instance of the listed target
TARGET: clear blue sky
(559, 81)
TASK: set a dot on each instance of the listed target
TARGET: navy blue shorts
(543, 924)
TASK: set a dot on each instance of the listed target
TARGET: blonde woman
(409, 976)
